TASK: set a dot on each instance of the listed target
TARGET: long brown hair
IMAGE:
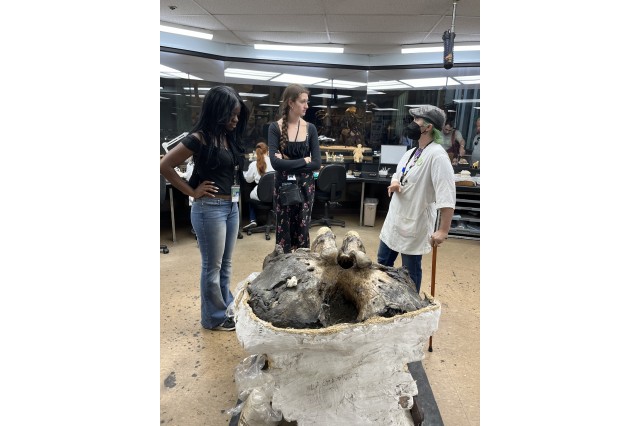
(291, 93)
(261, 152)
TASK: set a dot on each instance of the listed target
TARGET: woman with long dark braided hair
(295, 154)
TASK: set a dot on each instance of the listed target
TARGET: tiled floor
(197, 365)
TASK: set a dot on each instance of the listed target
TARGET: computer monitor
(391, 154)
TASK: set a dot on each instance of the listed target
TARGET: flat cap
(432, 114)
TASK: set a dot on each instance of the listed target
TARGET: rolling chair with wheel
(266, 186)
(332, 180)
(163, 194)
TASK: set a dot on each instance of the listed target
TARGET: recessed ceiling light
(382, 85)
(253, 95)
(169, 72)
(340, 84)
(431, 82)
(329, 95)
(186, 32)
(299, 48)
(299, 79)
(249, 74)
(435, 49)
(468, 79)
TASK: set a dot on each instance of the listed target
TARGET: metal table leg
(361, 202)
(173, 218)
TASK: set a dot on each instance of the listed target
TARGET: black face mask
(412, 130)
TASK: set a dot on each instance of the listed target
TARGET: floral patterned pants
(292, 222)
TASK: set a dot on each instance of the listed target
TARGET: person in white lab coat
(256, 170)
(422, 184)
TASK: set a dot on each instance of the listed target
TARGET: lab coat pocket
(407, 227)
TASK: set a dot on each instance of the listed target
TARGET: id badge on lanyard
(235, 193)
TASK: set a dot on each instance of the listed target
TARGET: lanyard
(405, 170)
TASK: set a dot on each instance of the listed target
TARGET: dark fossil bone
(323, 286)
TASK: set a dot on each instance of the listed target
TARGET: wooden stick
(433, 283)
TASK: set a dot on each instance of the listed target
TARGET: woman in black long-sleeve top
(295, 154)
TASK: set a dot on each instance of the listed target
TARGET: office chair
(332, 180)
(163, 194)
(266, 186)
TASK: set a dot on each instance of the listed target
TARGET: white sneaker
(251, 224)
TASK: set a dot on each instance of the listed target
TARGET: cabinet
(466, 216)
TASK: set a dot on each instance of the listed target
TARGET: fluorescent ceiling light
(466, 48)
(300, 79)
(253, 95)
(476, 107)
(466, 101)
(269, 105)
(169, 72)
(416, 106)
(298, 48)
(382, 85)
(385, 109)
(182, 31)
(340, 84)
(249, 95)
(162, 97)
(468, 79)
(430, 82)
(319, 106)
(249, 74)
(350, 103)
(434, 49)
(329, 95)
(374, 92)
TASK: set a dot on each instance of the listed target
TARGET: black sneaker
(251, 224)
(228, 325)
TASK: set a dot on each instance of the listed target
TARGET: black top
(296, 151)
(212, 163)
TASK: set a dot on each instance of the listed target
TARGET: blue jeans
(413, 262)
(216, 224)
(252, 213)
